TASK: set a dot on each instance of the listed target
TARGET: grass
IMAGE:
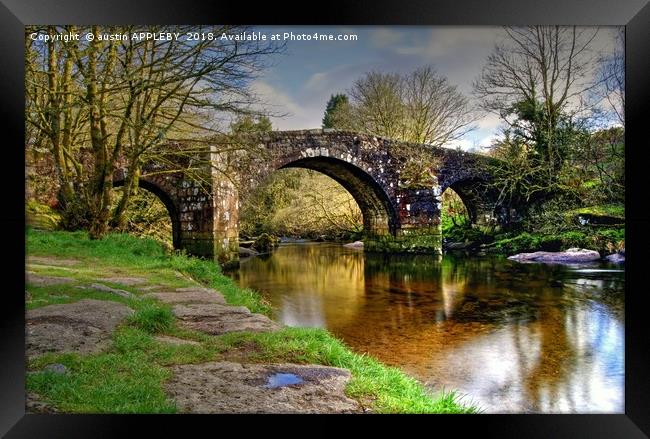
(130, 376)
(140, 257)
(613, 210)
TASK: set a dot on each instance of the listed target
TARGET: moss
(266, 242)
(605, 241)
(408, 243)
(612, 210)
(41, 216)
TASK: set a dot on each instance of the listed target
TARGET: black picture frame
(634, 14)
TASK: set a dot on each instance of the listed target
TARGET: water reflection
(514, 337)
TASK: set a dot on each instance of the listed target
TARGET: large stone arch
(379, 213)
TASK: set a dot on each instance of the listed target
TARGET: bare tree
(420, 107)
(538, 74)
(123, 99)
(436, 113)
(377, 101)
(611, 78)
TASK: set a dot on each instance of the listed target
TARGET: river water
(509, 337)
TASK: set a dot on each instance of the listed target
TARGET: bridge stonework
(398, 215)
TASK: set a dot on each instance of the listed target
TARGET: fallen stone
(219, 319)
(461, 245)
(57, 368)
(572, 255)
(40, 280)
(355, 244)
(83, 327)
(175, 341)
(151, 287)
(616, 258)
(190, 296)
(225, 387)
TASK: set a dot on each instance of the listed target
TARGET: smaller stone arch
(168, 202)
(477, 198)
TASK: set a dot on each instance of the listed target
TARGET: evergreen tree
(337, 113)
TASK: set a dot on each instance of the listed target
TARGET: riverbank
(149, 355)
(599, 228)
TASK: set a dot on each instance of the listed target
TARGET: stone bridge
(400, 212)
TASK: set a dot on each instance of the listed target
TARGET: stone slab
(219, 319)
(41, 280)
(83, 327)
(190, 296)
(226, 387)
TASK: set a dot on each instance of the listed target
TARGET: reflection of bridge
(395, 210)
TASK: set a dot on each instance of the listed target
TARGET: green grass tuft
(152, 318)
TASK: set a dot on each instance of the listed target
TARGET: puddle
(283, 379)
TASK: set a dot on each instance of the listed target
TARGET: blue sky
(301, 80)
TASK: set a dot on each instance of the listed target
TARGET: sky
(302, 79)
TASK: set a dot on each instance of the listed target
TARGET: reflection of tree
(556, 357)
(504, 331)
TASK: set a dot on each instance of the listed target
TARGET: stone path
(84, 326)
(41, 280)
(225, 387)
(215, 387)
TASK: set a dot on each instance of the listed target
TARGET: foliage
(41, 216)
(338, 113)
(300, 203)
(147, 216)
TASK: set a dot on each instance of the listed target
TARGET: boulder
(570, 256)
(355, 244)
(616, 258)
(246, 252)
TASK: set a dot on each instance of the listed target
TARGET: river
(509, 337)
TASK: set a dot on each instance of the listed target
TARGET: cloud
(317, 80)
(385, 37)
(448, 41)
(287, 113)
(274, 99)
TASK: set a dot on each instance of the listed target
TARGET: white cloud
(274, 99)
(287, 113)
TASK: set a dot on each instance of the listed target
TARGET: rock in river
(355, 244)
(616, 258)
(570, 256)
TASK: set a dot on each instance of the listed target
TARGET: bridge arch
(168, 202)
(477, 198)
(379, 213)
